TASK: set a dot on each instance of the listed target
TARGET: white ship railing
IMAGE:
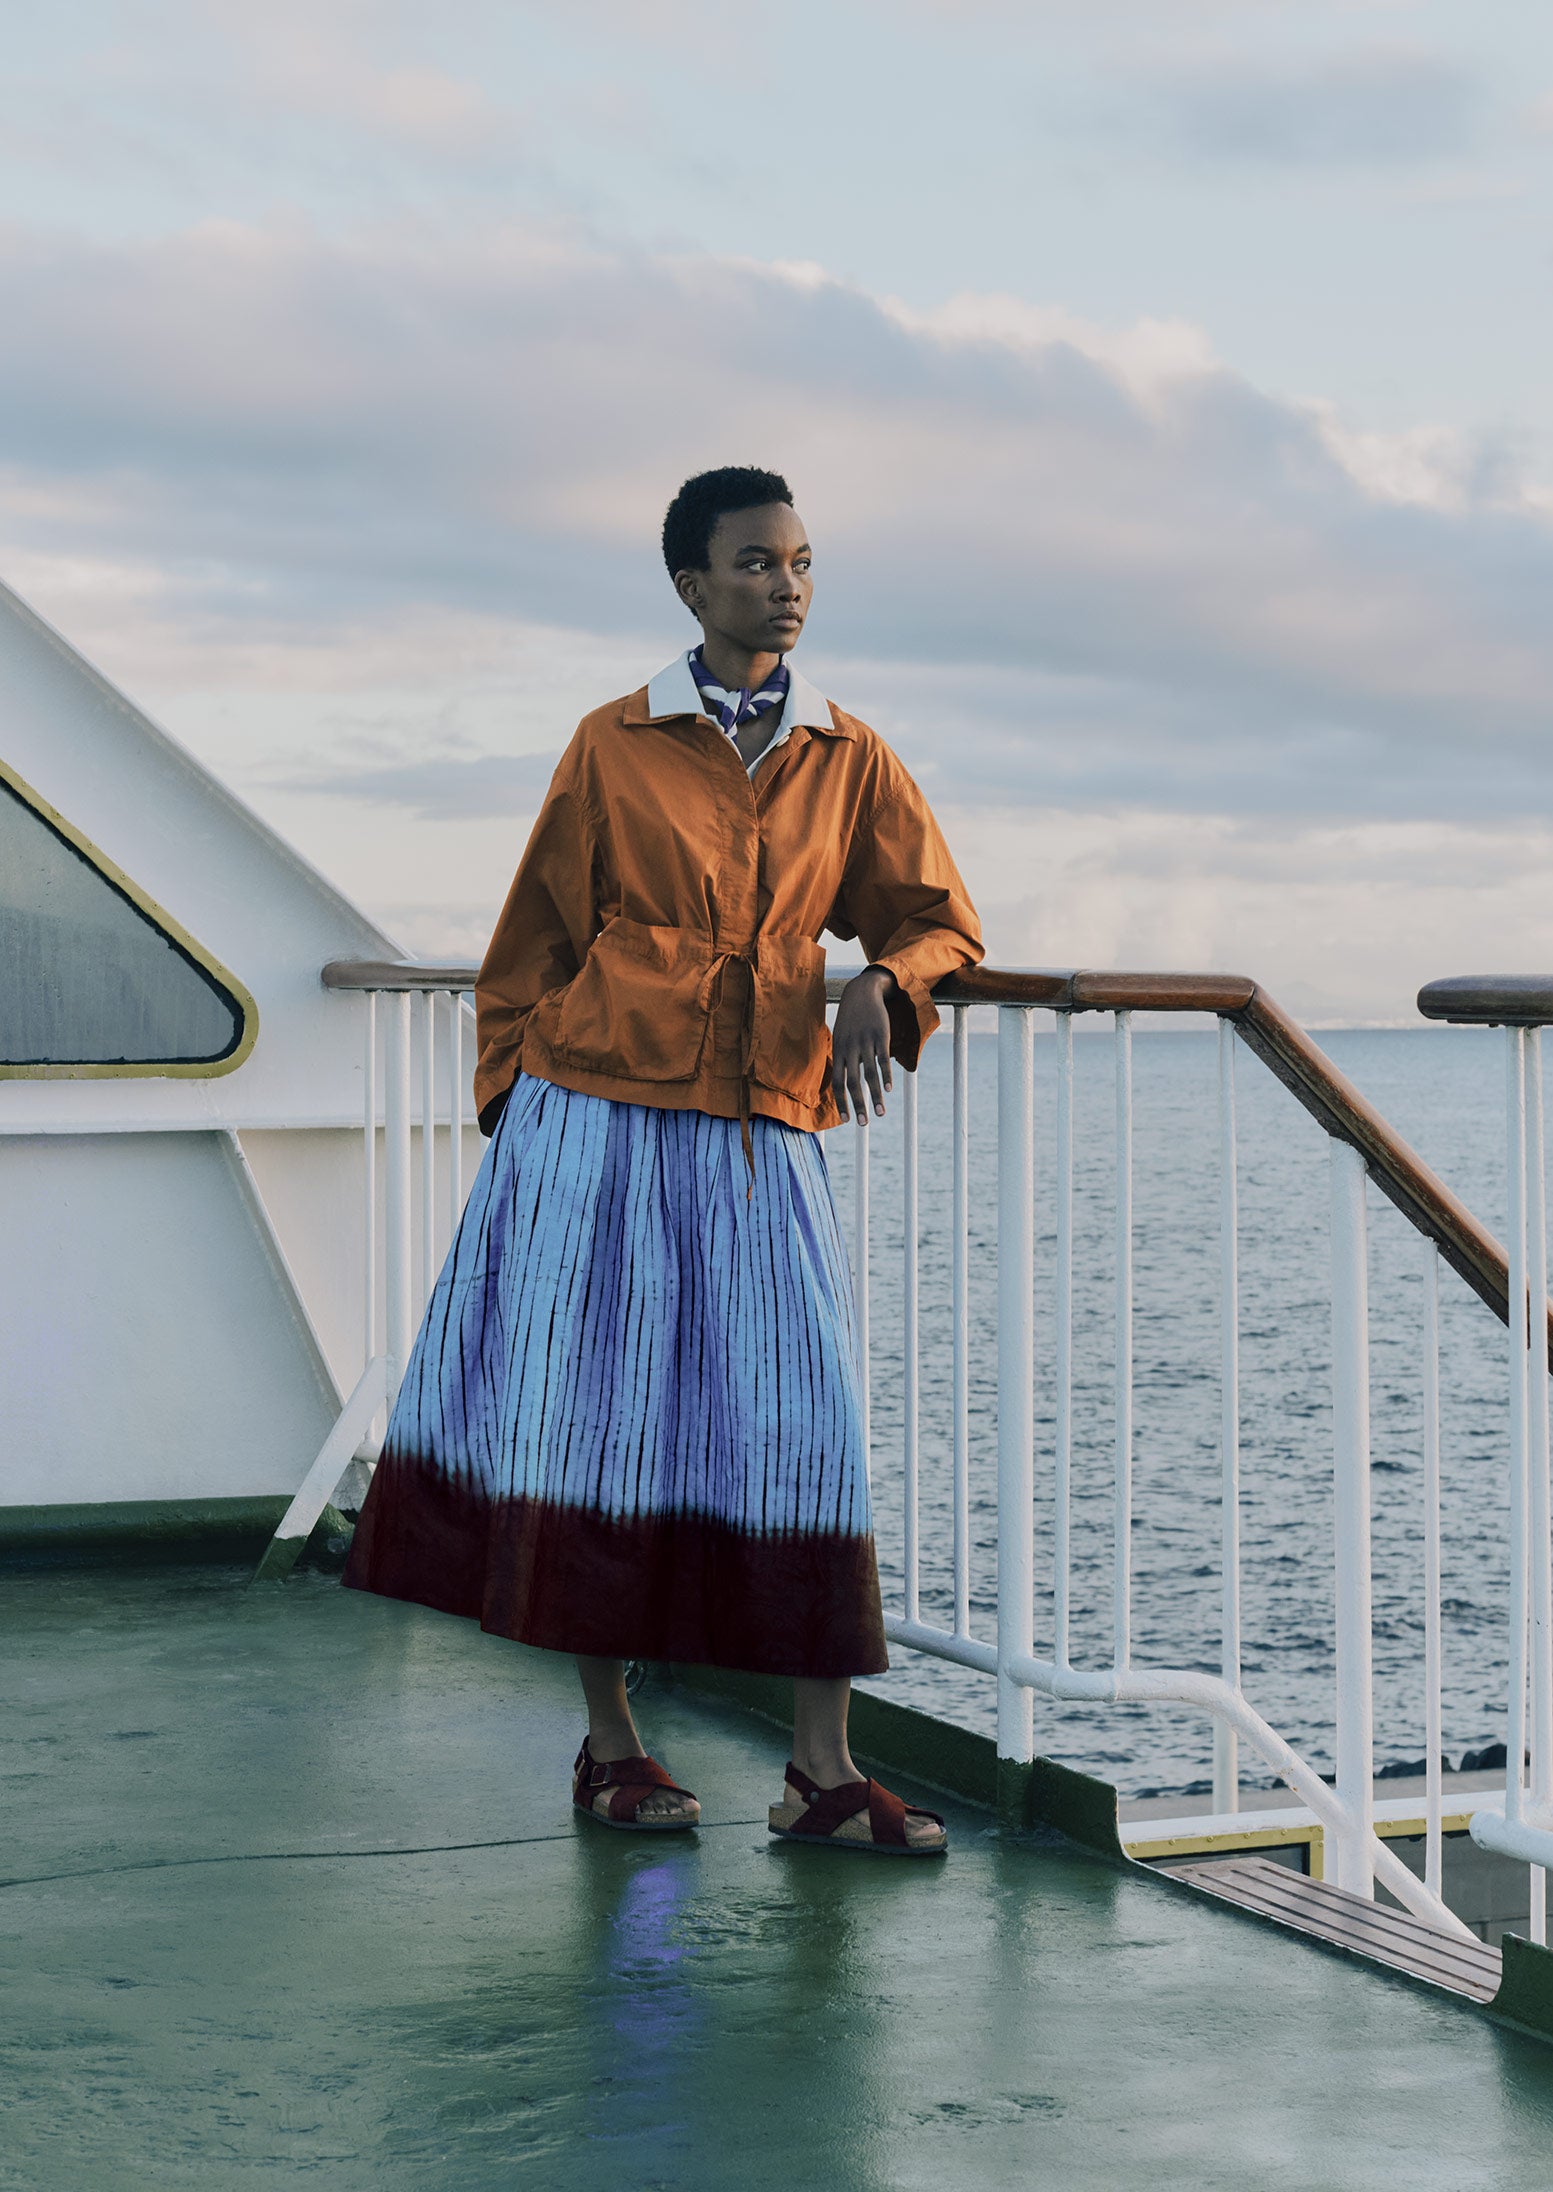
(415, 1072)
(1522, 1005)
(1361, 1145)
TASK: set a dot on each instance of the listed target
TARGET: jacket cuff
(494, 1081)
(490, 1113)
(913, 1014)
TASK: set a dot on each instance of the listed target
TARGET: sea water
(1442, 1090)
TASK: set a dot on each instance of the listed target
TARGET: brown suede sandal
(835, 1818)
(632, 1781)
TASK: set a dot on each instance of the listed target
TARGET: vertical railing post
(1016, 1402)
(455, 1112)
(398, 1276)
(1519, 1348)
(860, 1286)
(911, 1369)
(961, 1292)
(1351, 1519)
(369, 1177)
(1539, 1516)
(1226, 1759)
(1433, 1762)
(428, 1144)
(1062, 1521)
(369, 1213)
(1122, 1579)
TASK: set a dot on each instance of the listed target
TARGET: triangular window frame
(173, 932)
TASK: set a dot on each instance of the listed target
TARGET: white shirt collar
(675, 692)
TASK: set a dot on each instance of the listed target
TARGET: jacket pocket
(635, 1007)
(791, 1048)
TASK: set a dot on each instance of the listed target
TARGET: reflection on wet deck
(294, 1891)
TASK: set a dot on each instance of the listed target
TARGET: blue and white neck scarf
(734, 709)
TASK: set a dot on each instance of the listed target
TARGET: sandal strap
(631, 1781)
(886, 1815)
(828, 1809)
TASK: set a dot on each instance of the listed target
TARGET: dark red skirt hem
(662, 1587)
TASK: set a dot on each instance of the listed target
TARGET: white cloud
(373, 520)
(299, 434)
(1146, 355)
(1431, 466)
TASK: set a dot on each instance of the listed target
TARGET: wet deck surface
(293, 1895)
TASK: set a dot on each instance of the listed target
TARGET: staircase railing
(1362, 1146)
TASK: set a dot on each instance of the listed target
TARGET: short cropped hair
(692, 516)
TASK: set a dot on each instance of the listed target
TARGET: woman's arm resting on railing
(903, 895)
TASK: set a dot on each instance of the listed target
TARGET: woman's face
(754, 593)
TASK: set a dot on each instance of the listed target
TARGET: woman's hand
(860, 1043)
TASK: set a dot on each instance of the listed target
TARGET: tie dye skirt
(631, 1422)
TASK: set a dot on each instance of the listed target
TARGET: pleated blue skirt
(631, 1421)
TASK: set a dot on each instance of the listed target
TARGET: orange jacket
(660, 943)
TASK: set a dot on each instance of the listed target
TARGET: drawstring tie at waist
(711, 997)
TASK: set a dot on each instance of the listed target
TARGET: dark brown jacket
(660, 943)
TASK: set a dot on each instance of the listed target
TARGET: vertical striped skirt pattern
(631, 1422)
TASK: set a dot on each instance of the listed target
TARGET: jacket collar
(674, 692)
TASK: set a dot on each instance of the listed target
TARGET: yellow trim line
(1396, 1819)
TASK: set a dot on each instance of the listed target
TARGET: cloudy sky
(1165, 385)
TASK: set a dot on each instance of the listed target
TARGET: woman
(630, 1426)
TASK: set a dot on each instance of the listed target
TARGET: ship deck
(292, 1892)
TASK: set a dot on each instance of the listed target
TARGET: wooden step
(1349, 1922)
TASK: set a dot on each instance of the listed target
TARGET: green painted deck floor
(292, 1894)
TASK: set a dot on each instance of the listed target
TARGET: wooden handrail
(1262, 1024)
(1090, 992)
(1058, 991)
(1304, 1069)
(1395, 1167)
